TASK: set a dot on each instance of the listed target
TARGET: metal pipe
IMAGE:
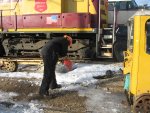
(15, 21)
(114, 23)
(88, 7)
(2, 20)
(98, 36)
(99, 19)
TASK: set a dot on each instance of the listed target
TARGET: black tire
(2, 51)
(89, 53)
(119, 47)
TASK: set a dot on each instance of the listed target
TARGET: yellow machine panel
(143, 84)
(80, 6)
(140, 74)
(137, 63)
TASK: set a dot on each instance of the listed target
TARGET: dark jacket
(58, 45)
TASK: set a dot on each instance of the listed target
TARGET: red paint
(34, 21)
(40, 5)
(57, 20)
(7, 23)
(41, 21)
(16, 22)
(76, 20)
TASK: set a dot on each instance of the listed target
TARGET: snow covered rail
(11, 64)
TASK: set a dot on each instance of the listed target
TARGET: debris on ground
(109, 74)
(80, 93)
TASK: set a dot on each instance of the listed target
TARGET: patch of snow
(21, 108)
(7, 96)
(20, 75)
(83, 74)
(99, 101)
(7, 105)
(35, 82)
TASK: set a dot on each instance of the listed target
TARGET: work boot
(46, 93)
(44, 87)
(56, 86)
(53, 84)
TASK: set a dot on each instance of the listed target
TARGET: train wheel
(142, 104)
(10, 66)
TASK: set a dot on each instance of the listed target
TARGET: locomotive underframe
(25, 45)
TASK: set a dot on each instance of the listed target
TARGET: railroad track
(11, 64)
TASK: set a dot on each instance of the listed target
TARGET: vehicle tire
(119, 47)
(2, 51)
(89, 53)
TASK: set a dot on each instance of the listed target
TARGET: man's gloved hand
(61, 68)
(61, 59)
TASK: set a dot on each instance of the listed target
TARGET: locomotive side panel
(18, 14)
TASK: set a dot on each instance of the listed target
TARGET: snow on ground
(7, 96)
(75, 79)
(81, 75)
(8, 106)
(100, 101)
(84, 73)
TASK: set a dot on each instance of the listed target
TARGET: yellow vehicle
(137, 62)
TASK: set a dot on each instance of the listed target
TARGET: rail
(1, 20)
(1, 16)
(12, 8)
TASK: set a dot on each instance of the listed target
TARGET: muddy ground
(61, 101)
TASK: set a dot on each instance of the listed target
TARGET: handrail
(1, 15)
(99, 28)
(1, 20)
(13, 8)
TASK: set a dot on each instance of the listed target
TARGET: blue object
(127, 82)
(54, 17)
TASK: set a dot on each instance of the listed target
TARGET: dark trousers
(49, 79)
